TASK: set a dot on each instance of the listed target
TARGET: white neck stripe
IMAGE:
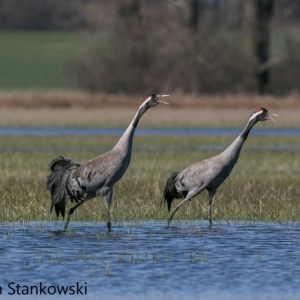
(256, 114)
(148, 99)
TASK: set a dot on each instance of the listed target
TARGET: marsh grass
(264, 186)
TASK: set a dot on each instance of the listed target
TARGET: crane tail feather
(170, 191)
(60, 169)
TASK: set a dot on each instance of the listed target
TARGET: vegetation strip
(262, 187)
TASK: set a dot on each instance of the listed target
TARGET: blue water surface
(62, 131)
(147, 260)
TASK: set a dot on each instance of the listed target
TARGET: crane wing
(96, 173)
(191, 177)
(204, 174)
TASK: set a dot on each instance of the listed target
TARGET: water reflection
(146, 260)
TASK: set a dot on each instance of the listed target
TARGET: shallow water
(146, 260)
(62, 131)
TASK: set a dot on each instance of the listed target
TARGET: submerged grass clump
(264, 185)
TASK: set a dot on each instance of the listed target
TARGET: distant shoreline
(73, 99)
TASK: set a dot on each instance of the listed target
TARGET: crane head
(262, 114)
(152, 100)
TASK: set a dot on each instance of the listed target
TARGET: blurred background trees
(187, 46)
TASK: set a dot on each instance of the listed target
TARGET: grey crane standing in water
(210, 173)
(80, 183)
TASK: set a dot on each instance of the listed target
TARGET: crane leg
(71, 211)
(108, 221)
(176, 208)
(209, 214)
(211, 196)
(107, 195)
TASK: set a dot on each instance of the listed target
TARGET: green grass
(38, 60)
(264, 185)
(35, 60)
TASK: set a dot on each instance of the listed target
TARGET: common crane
(80, 183)
(210, 173)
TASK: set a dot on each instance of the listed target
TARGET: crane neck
(247, 129)
(142, 109)
(233, 151)
(125, 142)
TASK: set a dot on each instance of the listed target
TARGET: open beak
(160, 96)
(270, 118)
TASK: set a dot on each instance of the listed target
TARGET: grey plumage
(210, 173)
(80, 183)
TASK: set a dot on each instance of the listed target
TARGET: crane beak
(160, 96)
(271, 114)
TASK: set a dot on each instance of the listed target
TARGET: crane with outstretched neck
(97, 177)
(210, 173)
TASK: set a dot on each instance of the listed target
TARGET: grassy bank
(263, 186)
